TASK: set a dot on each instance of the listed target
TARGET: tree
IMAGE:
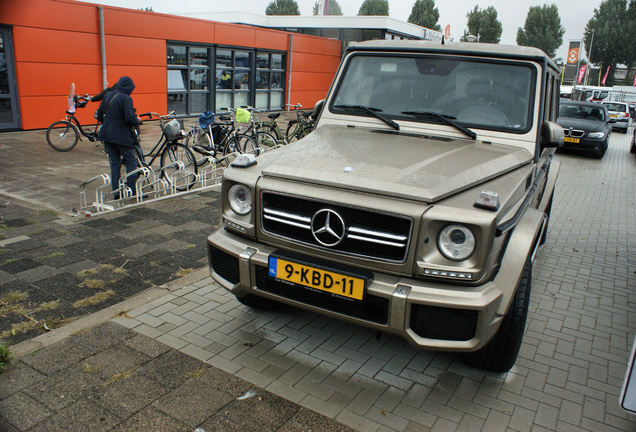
(542, 29)
(374, 7)
(484, 23)
(334, 8)
(612, 26)
(425, 14)
(282, 7)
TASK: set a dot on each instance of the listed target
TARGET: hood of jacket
(125, 85)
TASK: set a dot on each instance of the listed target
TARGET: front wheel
(62, 136)
(500, 354)
(265, 141)
(172, 153)
(200, 137)
(292, 131)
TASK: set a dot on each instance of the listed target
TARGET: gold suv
(417, 205)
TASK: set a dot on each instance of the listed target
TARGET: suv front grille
(349, 230)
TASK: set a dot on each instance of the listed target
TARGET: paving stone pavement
(581, 324)
(571, 366)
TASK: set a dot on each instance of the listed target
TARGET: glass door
(8, 94)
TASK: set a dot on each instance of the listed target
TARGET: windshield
(585, 112)
(478, 93)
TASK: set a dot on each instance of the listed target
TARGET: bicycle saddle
(225, 118)
(273, 116)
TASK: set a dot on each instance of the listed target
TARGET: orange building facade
(175, 62)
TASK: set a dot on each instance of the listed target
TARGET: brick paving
(581, 324)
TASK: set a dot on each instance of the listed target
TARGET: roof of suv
(480, 49)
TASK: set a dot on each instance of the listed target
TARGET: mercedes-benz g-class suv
(415, 207)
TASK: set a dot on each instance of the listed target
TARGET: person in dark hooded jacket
(119, 116)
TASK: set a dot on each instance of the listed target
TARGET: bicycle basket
(243, 115)
(218, 132)
(171, 129)
(206, 118)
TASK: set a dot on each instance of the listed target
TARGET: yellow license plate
(572, 140)
(333, 282)
(614, 115)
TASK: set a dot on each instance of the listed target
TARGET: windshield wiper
(375, 112)
(444, 118)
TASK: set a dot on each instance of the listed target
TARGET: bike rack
(150, 186)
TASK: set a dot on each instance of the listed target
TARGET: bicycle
(173, 156)
(302, 126)
(272, 128)
(223, 138)
(63, 135)
(264, 140)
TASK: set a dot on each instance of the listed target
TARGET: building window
(188, 78)
(205, 78)
(269, 81)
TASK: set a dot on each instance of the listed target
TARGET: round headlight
(240, 198)
(456, 242)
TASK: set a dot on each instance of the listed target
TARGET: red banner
(605, 76)
(582, 70)
(635, 79)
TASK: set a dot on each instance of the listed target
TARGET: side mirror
(318, 109)
(551, 135)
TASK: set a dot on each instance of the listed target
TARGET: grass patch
(122, 313)
(13, 297)
(183, 272)
(53, 255)
(196, 373)
(92, 283)
(4, 357)
(59, 322)
(10, 260)
(106, 266)
(20, 328)
(54, 304)
(120, 270)
(3, 251)
(48, 213)
(119, 377)
(89, 368)
(94, 299)
(3, 227)
(64, 232)
(87, 272)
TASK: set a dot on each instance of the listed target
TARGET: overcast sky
(511, 13)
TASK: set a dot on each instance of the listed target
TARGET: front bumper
(586, 144)
(428, 314)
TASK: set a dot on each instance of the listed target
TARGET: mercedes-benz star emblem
(328, 227)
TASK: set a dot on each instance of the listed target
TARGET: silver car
(618, 111)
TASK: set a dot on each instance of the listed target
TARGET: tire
(265, 140)
(246, 144)
(257, 302)
(600, 153)
(196, 137)
(500, 354)
(62, 136)
(230, 149)
(291, 133)
(178, 152)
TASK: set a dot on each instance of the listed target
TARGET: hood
(125, 85)
(581, 124)
(410, 166)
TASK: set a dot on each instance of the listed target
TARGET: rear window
(616, 107)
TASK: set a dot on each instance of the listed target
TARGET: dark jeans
(117, 153)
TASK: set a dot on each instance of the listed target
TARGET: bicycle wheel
(201, 138)
(246, 144)
(265, 140)
(62, 136)
(178, 152)
(293, 131)
(231, 148)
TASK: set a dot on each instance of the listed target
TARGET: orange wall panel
(305, 62)
(271, 39)
(147, 79)
(157, 26)
(234, 34)
(50, 14)
(311, 80)
(307, 43)
(46, 45)
(121, 50)
(307, 98)
(40, 111)
(47, 79)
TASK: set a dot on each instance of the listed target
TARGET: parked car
(586, 126)
(417, 205)
(620, 112)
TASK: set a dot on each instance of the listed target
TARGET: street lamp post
(587, 75)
